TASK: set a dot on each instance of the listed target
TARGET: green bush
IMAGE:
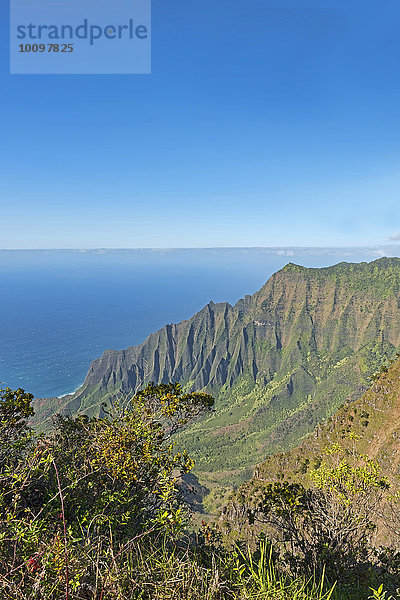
(71, 501)
(94, 511)
(327, 525)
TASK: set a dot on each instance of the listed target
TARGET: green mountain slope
(369, 426)
(278, 362)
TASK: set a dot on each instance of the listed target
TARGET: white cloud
(395, 237)
(284, 252)
(379, 252)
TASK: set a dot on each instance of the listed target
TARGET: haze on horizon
(261, 125)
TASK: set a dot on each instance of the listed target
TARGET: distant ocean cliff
(62, 309)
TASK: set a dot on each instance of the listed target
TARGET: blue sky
(260, 125)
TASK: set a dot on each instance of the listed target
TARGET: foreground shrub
(328, 525)
(70, 502)
(94, 512)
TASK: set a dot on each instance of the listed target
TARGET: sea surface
(59, 310)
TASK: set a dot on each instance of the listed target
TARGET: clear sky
(261, 125)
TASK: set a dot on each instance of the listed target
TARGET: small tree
(328, 524)
(126, 462)
(15, 410)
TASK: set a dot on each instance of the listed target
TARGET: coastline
(70, 393)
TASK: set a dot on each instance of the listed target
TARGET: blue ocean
(59, 310)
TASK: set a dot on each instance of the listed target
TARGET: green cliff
(278, 362)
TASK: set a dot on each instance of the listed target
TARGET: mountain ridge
(278, 362)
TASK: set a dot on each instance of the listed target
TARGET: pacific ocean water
(59, 310)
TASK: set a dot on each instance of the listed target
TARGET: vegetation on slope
(334, 500)
(278, 362)
(93, 511)
(367, 426)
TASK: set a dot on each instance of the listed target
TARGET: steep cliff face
(278, 362)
